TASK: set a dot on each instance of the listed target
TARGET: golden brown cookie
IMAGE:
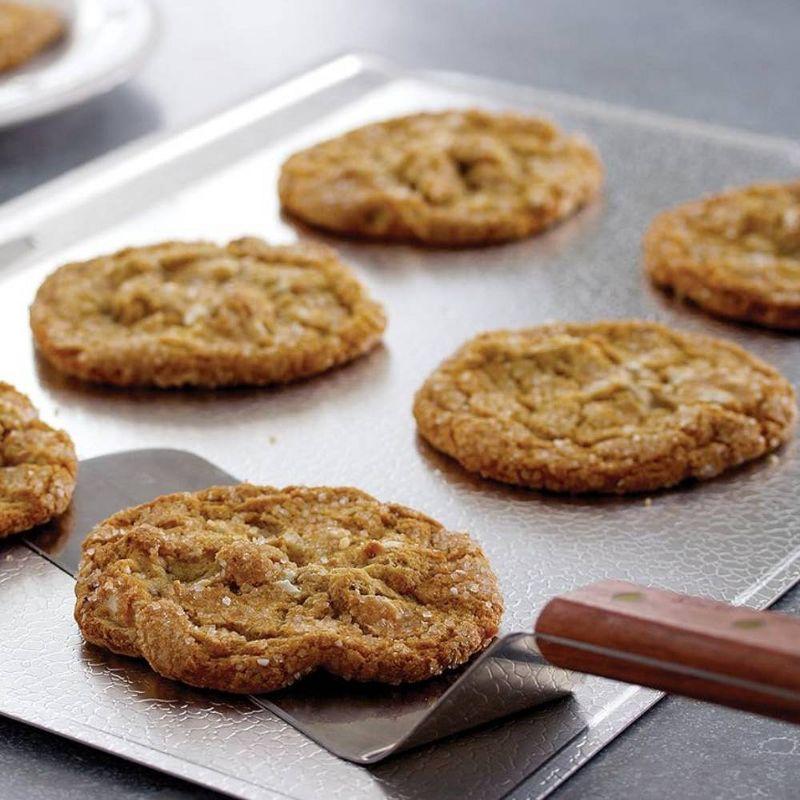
(247, 588)
(451, 178)
(618, 407)
(25, 31)
(177, 314)
(37, 465)
(736, 254)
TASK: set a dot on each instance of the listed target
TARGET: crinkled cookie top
(736, 254)
(247, 588)
(177, 314)
(449, 178)
(37, 465)
(606, 406)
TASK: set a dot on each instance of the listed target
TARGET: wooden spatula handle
(713, 651)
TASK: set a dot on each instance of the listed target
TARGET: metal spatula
(704, 649)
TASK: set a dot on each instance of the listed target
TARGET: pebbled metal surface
(736, 538)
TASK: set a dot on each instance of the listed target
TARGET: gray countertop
(734, 62)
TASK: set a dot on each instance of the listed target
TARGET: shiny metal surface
(735, 538)
(367, 724)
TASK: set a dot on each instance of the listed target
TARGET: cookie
(736, 254)
(618, 407)
(248, 588)
(452, 178)
(25, 31)
(177, 314)
(37, 465)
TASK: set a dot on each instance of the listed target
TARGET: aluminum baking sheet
(736, 538)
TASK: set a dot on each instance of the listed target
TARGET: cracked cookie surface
(621, 406)
(450, 178)
(25, 31)
(736, 254)
(37, 465)
(248, 588)
(177, 314)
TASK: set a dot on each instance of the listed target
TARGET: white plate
(105, 43)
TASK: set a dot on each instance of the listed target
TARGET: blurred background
(734, 62)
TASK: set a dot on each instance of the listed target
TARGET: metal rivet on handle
(628, 597)
(748, 623)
